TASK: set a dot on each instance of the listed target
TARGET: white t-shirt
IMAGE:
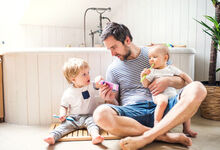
(77, 103)
(165, 72)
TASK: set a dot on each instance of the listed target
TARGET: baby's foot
(97, 139)
(190, 133)
(50, 140)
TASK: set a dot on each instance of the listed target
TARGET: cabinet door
(1, 93)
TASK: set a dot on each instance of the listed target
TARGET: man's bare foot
(134, 143)
(50, 140)
(175, 138)
(190, 133)
(97, 139)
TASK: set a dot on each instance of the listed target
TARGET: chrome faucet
(92, 33)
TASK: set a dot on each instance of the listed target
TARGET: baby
(78, 102)
(158, 57)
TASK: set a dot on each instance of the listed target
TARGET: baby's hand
(97, 80)
(145, 72)
(62, 118)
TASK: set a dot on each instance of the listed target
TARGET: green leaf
(207, 33)
(218, 70)
(214, 2)
(214, 32)
(205, 25)
(214, 21)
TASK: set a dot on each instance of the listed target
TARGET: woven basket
(210, 107)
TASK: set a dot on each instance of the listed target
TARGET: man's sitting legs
(190, 100)
(108, 119)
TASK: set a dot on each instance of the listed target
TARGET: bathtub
(33, 80)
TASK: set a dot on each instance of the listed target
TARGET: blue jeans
(143, 112)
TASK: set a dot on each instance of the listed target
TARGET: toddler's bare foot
(190, 133)
(50, 140)
(97, 139)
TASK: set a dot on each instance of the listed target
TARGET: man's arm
(186, 78)
(160, 84)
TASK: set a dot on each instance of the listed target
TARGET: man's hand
(159, 85)
(106, 93)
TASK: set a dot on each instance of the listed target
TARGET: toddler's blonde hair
(72, 68)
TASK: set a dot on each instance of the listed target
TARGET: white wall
(170, 21)
(33, 80)
(29, 23)
(150, 21)
(20, 36)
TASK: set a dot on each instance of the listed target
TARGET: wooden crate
(83, 135)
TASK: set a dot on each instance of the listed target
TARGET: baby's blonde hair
(72, 68)
(162, 48)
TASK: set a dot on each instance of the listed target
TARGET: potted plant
(210, 107)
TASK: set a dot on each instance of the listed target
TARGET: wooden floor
(83, 135)
(19, 137)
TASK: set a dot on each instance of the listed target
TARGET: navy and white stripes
(127, 75)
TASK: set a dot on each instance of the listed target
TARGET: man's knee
(102, 115)
(198, 89)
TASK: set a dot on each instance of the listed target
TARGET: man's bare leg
(191, 98)
(107, 119)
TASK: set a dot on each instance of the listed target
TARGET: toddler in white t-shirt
(78, 102)
(158, 57)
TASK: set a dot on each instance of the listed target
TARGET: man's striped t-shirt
(127, 75)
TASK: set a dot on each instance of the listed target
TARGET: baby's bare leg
(161, 100)
(93, 130)
(187, 130)
(96, 137)
(50, 139)
(63, 129)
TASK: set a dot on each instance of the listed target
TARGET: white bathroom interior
(38, 36)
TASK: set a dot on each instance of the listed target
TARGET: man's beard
(127, 55)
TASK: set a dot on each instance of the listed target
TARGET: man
(135, 116)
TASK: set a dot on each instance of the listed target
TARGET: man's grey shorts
(143, 112)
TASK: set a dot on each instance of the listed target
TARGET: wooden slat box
(83, 135)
